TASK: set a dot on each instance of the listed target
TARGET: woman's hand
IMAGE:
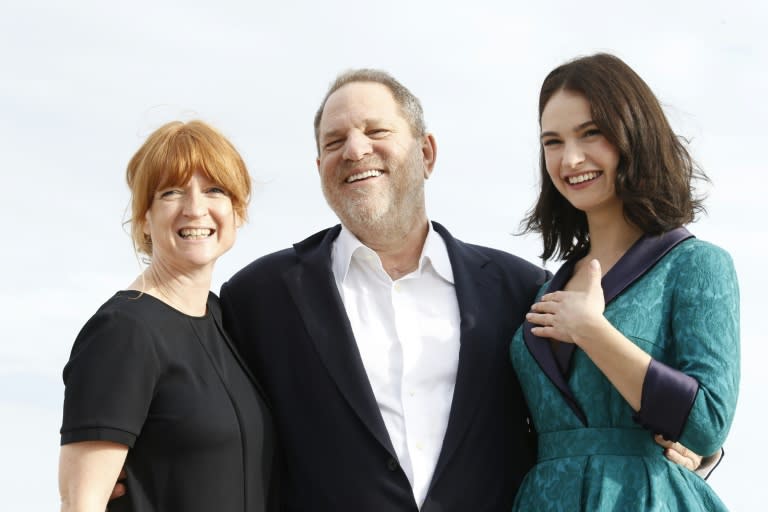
(570, 316)
(576, 316)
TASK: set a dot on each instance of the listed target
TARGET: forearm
(622, 362)
(87, 474)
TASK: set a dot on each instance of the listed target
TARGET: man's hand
(119, 488)
(679, 454)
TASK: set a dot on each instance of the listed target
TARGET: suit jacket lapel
(474, 287)
(313, 289)
(635, 263)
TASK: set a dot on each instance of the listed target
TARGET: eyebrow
(576, 129)
(330, 135)
(367, 122)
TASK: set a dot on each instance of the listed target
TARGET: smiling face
(580, 161)
(372, 167)
(190, 225)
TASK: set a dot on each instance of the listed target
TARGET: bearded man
(382, 342)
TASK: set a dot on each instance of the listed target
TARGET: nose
(194, 204)
(357, 146)
(573, 155)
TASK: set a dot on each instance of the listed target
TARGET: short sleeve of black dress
(110, 377)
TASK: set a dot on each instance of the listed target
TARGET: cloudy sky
(82, 83)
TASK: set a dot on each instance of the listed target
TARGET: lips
(370, 173)
(584, 177)
(195, 233)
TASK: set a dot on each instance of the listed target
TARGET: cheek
(615, 163)
(552, 163)
(327, 162)
(611, 156)
(324, 173)
(227, 211)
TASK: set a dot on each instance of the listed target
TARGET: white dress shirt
(407, 332)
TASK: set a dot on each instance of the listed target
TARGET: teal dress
(678, 302)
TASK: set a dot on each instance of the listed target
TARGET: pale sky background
(82, 83)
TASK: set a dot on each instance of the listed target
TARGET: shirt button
(392, 464)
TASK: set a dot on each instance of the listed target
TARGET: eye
(377, 133)
(334, 144)
(550, 142)
(217, 191)
(164, 194)
(592, 132)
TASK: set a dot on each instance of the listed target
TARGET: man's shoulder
(272, 265)
(512, 266)
(502, 258)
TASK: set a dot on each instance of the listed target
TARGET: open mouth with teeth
(371, 173)
(582, 178)
(195, 233)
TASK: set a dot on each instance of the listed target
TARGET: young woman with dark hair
(638, 332)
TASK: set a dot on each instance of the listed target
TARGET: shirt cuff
(98, 434)
(710, 463)
(668, 396)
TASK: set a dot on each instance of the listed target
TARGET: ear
(429, 154)
(317, 161)
(145, 224)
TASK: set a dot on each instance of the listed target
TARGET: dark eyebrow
(548, 134)
(576, 129)
(584, 125)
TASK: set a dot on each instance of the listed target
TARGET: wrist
(591, 331)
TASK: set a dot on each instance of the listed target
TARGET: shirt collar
(434, 253)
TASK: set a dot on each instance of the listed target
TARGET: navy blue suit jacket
(287, 319)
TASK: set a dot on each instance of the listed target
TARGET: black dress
(171, 388)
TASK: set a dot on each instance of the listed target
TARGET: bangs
(187, 153)
(169, 158)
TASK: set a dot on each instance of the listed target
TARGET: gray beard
(394, 220)
(397, 219)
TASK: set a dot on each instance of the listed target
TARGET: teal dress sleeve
(705, 325)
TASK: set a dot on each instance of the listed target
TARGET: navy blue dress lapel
(638, 260)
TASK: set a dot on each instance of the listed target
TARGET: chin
(356, 213)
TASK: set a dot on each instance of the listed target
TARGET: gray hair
(409, 104)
